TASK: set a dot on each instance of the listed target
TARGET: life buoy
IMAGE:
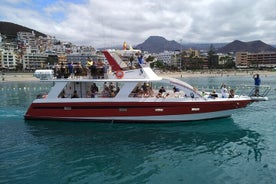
(119, 74)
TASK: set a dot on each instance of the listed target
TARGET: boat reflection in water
(220, 136)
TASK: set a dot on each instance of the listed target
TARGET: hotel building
(263, 59)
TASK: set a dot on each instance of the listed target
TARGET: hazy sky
(103, 23)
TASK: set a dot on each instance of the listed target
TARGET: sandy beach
(17, 77)
(12, 77)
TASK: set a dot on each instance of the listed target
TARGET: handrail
(263, 90)
(241, 90)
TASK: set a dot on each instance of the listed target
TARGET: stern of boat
(259, 94)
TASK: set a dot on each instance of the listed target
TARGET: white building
(9, 59)
(33, 61)
(29, 40)
(166, 56)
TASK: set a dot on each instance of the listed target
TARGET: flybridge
(116, 69)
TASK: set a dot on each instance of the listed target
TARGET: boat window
(155, 89)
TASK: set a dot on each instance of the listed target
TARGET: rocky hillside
(157, 44)
(253, 47)
(10, 29)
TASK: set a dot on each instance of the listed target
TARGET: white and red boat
(131, 95)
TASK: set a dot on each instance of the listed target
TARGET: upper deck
(114, 69)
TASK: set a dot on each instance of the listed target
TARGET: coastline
(17, 77)
(216, 73)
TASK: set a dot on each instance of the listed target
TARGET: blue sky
(111, 22)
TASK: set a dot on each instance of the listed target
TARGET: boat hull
(135, 111)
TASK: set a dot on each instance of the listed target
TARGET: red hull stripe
(97, 107)
(129, 109)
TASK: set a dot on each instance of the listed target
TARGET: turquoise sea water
(240, 149)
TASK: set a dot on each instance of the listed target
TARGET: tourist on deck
(106, 92)
(145, 86)
(71, 70)
(94, 90)
(62, 94)
(100, 69)
(62, 70)
(88, 94)
(149, 92)
(213, 94)
(57, 72)
(136, 92)
(175, 89)
(88, 65)
(131, 59)
(111, 86)
(140, 58)
(75, 94)
(78, 70)
(224, 91)
(105, 85)
(161, 92)
(231, 93)
(257, 82)
(93, 70)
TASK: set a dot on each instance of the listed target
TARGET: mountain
(202, 46)
(253, 47)
(157, 44)
(10, 29)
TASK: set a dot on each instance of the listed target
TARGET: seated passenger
(75, 94)
(94, 90)
(88, 94)
(175, 89)
(159, 95)
(112, 94)
(213, 94)
(162, 90)
(78, 70)
(145, 86)
(62, 94)
(106, 92)
(232, 93)
(149, 92)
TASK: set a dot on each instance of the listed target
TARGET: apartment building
(29, 40)
(167, 56)
(33, 61)
(82, 58)
(9, 59)
(265, 59)
(62, 58)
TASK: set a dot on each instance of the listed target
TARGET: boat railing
(261, 91)
(248, 90)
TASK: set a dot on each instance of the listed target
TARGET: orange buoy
(120, 74)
